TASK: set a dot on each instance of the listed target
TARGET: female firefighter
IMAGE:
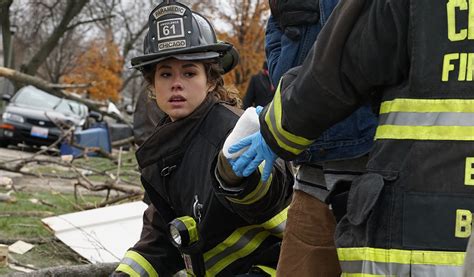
(203, 218)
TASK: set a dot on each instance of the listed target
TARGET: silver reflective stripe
(241, 243)
(427, 119)
(436, 270)
(135, 266)
(278, 229)
(396, 269)
(375, 268)
(277, 133)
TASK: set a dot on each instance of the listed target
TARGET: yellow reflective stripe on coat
(397, 262)
(268, 270)
(135, 264)
(286, 140)
(427, 105)
(258, 193)
(427, 119)
(241, 243)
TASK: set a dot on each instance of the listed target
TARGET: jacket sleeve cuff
(224, 173)
(271, 141)
(251, 190)
(282, 142)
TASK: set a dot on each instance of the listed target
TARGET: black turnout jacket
(238, 227)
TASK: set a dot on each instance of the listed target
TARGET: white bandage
(246, 125)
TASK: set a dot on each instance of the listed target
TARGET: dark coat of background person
(146, 117)
(260, 90)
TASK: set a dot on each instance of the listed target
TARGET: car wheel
(4, 143)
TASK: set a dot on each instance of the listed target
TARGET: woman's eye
(165, 74)
(189, 74)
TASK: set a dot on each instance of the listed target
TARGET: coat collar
(171, 138)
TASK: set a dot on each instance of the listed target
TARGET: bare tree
(6, 34)
(245, 20)
(72, 9)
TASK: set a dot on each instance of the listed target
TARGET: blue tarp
(97, 136)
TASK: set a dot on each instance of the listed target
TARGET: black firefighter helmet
(174, 31)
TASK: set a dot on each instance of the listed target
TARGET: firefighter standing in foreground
(411, 214)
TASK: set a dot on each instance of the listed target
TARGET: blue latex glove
(257, 152)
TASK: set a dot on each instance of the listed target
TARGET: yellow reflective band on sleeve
(461, 133)
(286, 140)
(268, 270)
(427, 105)
(127, 269)
(401, 256)
(190, 224)
(258, 193)
(142, 262)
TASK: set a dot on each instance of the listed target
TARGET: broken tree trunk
(55, 89)
(104, 269)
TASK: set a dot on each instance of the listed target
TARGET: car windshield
(33, 97)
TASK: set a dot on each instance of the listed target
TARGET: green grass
(128, 168)
(31, 227)
(45, 255)
(54, 253)
(51, 253)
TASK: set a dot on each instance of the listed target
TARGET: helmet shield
(177, 32)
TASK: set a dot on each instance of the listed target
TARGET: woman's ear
(211, 87)
(151, 92)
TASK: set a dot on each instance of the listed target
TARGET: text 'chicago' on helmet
(174, 31)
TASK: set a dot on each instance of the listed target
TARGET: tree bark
(98, 270)
(54, 89)
(6, 34)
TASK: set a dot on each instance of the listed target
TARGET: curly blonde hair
(229, 95)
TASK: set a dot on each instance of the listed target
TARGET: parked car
(34, 117)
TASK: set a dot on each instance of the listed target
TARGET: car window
(32, 97)
(69, 106)
(35, 98)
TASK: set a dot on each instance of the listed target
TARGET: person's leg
(308, 243)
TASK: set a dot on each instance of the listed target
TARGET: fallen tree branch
(98, 150)
(122, 142)
(108, 186)
(97, 270)
(55, 89)
(128, 197)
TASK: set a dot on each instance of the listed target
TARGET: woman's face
(180, 87)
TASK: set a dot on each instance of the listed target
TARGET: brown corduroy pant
(308, 243)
